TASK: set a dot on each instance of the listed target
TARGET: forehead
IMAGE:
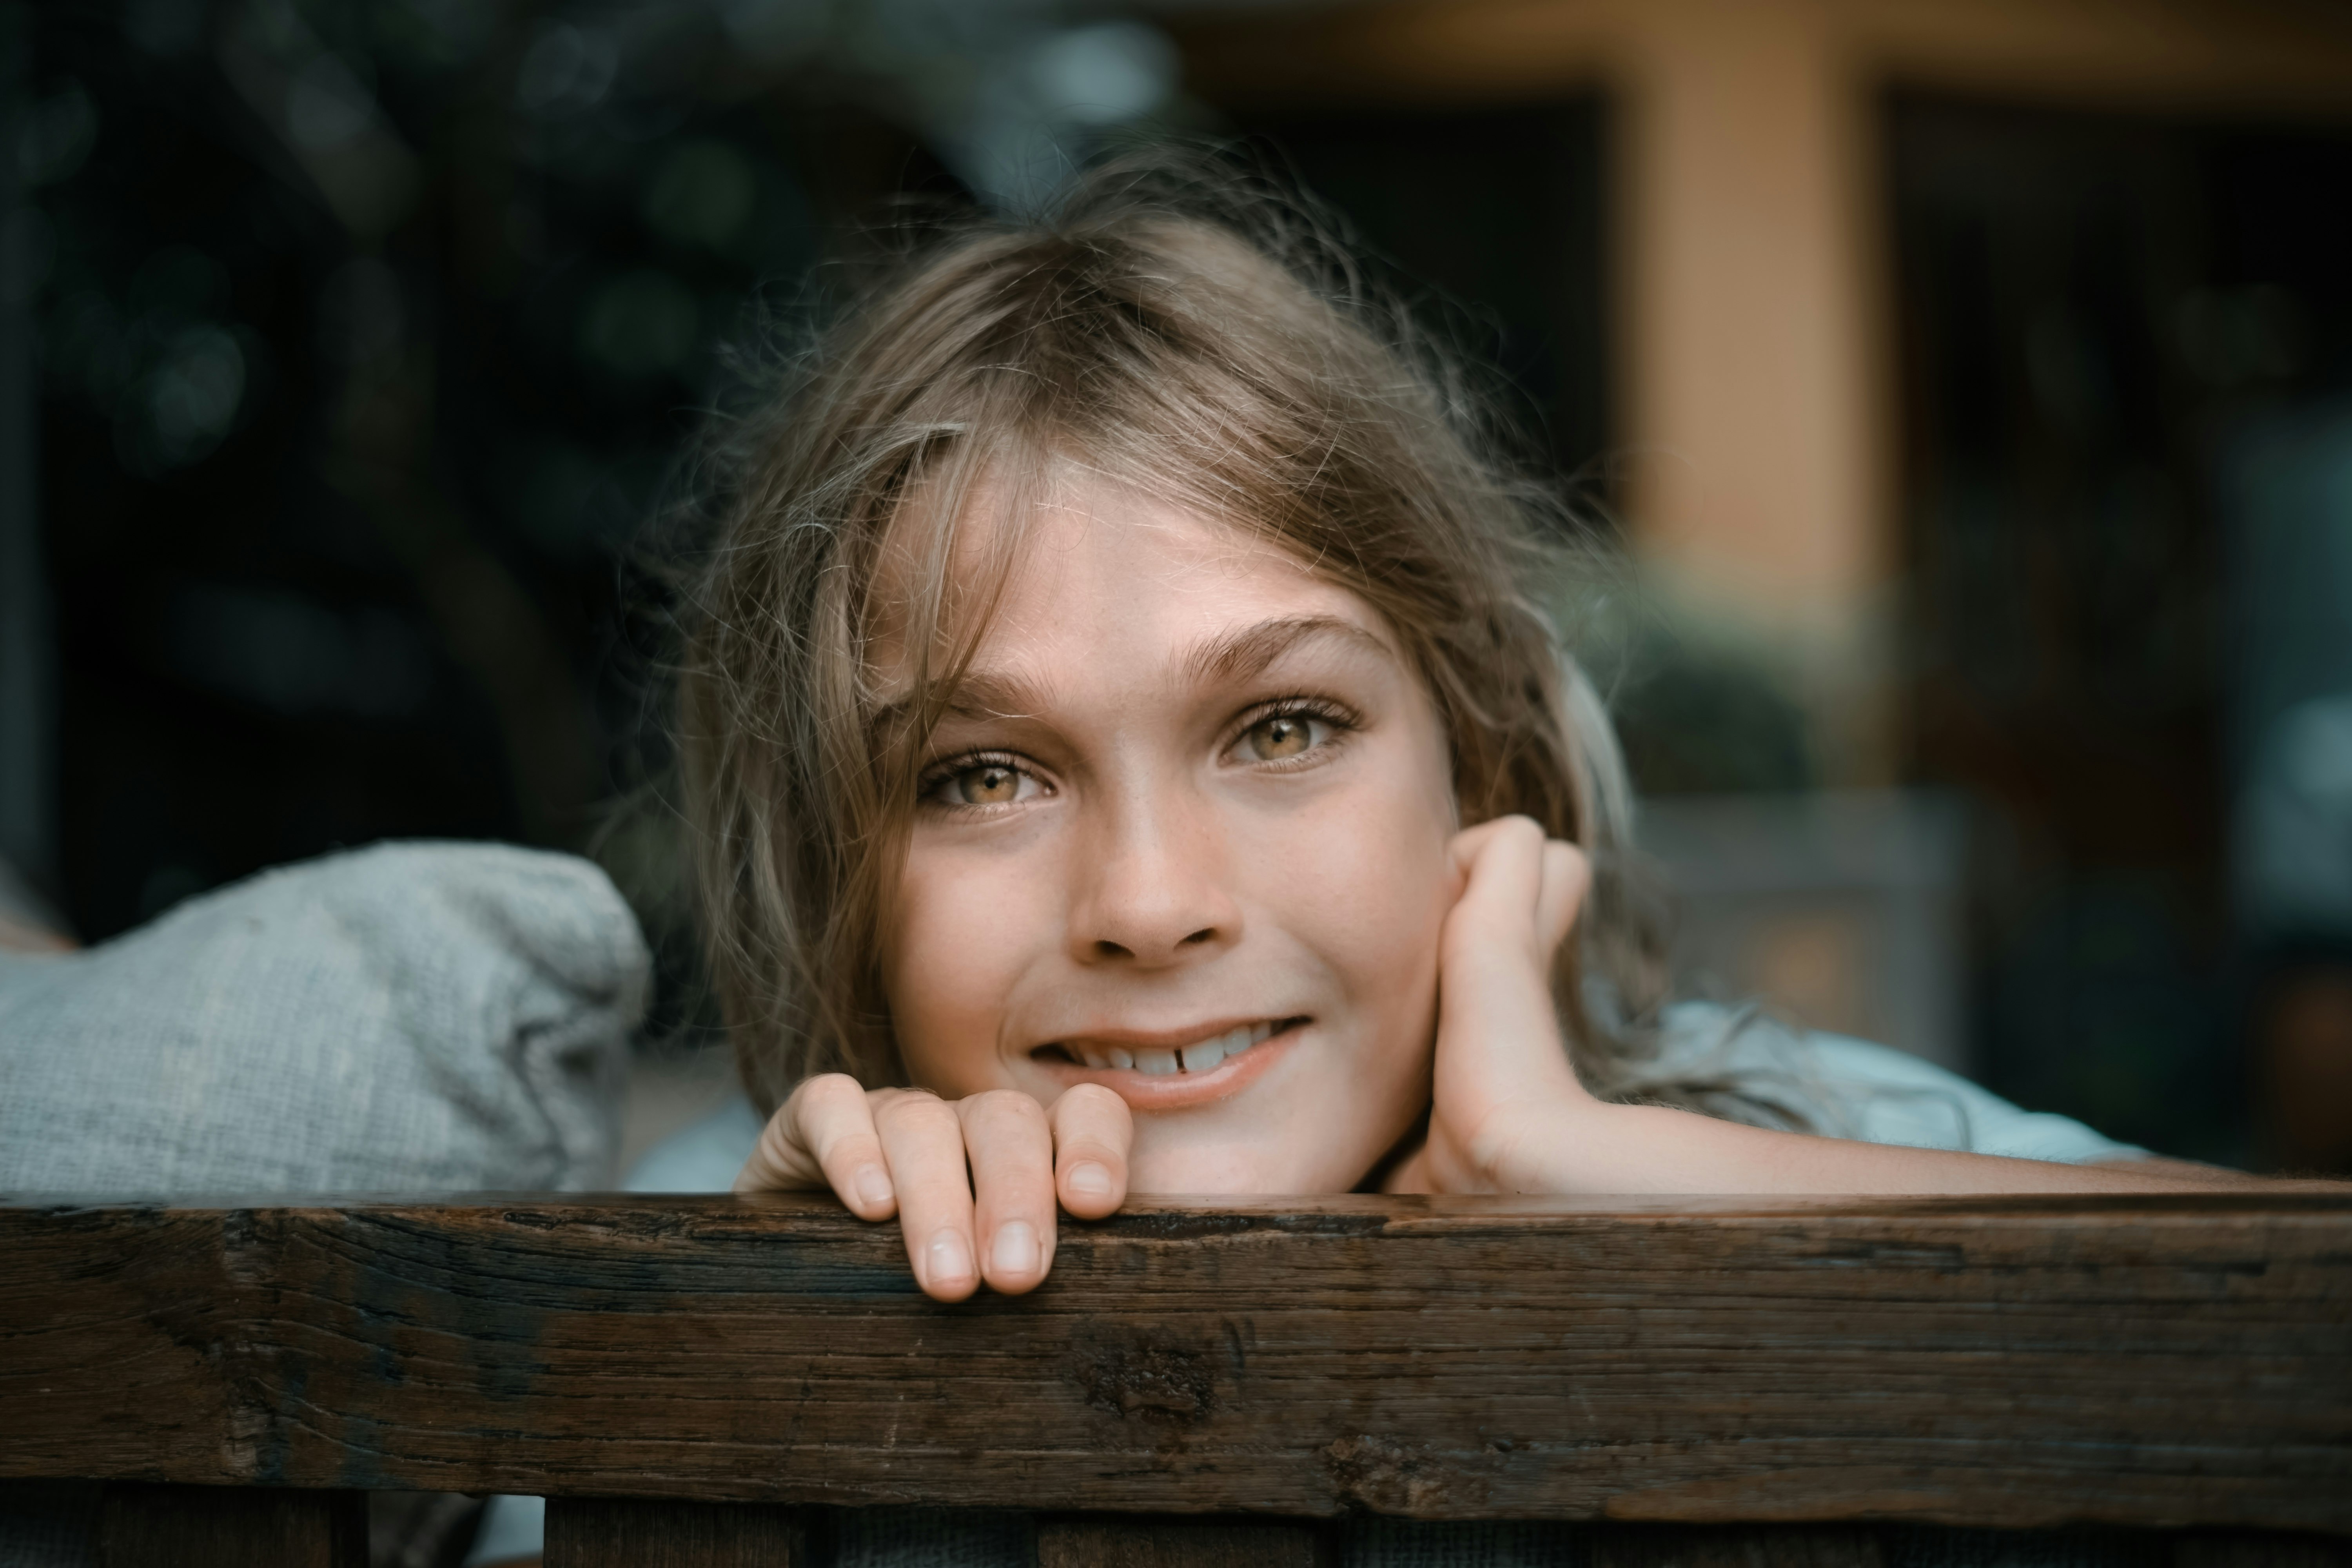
(1096, 570)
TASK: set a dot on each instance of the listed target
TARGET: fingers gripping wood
(923, 1139)
(1011, 1154)
(1093, 1131)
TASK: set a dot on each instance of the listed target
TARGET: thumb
(1567, 879)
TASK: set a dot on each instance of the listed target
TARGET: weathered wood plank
(609, 1532)
(230, 1526)
(2158, 1361)
(1183, 1543)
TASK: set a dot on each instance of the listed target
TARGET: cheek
(1359, 887)
(1365, 882)
(1369, 899)
(955, 949)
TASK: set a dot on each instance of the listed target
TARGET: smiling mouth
(1202, 1055)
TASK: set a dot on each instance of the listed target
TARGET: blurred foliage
(1699, 719)
(371, 332)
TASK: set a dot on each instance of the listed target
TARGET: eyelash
(1342, 720)
(1322, 709)
(941, 773)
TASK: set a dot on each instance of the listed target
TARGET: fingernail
(950, 1261)
(1015, 1252)
(873, 1185)
(1090, 1179)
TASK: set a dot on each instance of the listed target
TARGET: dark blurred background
(1997, 698)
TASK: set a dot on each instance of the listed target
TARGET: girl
(1126, 752)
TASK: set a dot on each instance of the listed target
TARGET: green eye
(1272, 739)
(985, 783)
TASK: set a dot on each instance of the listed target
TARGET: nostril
(1105, 949)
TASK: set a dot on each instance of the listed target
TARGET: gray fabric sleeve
(1852, 1088)
(413, 1017)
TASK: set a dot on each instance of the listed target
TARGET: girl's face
(1183, 834)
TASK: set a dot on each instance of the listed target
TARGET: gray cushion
(409, 1018)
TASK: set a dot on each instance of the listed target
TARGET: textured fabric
(409, 1018)
(1850, 1088)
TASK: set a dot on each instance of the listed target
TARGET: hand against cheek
(1504, 1096)
(971, 1179)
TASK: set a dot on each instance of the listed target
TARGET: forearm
(1652, 1148)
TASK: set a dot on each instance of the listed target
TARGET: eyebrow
(1237, 656)
(1251, 650)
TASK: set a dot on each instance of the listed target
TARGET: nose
(1151, 886)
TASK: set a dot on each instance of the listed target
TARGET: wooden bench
(697, 1381)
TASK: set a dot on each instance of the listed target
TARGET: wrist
(1564, 1142)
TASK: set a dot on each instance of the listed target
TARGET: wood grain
(1183, 1543)
(230, 1526)
(2162, 1362)
(607, 1533)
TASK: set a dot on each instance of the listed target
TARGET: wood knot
(1149, 1378)
(1389, 1477)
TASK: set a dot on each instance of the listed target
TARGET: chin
(1227, 1173)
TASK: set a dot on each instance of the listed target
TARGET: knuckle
(852, 1147)
(825, 1087)
(1094, 1106)
(913, 1110)
(1004, 1106)
(1088, 1096)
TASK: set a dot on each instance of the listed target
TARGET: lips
(1171, 1070)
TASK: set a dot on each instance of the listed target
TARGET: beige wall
(1749, 268)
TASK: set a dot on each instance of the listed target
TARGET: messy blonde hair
(1191, 334)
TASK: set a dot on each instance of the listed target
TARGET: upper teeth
(1199, 1057)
